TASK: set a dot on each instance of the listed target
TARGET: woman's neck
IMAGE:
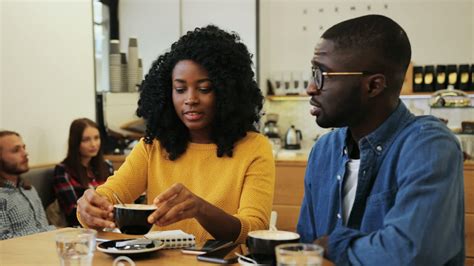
(85, 161)
(200, 138)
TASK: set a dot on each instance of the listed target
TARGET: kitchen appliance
(293, 138)
(450, 98)
(271, 129)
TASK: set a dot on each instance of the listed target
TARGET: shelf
(427, 95)
(451, 107)
(288, 97)
(419, 95)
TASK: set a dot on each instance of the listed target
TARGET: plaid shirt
(21, 211)
(68, 190)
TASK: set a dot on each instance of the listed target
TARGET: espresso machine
(272, 131)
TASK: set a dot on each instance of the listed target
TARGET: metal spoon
(247, 259)
(118, 199)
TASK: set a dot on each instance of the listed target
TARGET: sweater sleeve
(257, 194)
(130, 180)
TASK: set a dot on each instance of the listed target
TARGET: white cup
(299, 254)
(76, 246)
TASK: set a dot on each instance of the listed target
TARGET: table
(40, 249)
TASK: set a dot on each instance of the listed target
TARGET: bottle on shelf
(428, 78)
(464, 77)
(452, 73)
(440, 82)
(472, 78)
(418, 79)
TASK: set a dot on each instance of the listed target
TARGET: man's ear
(377, 84)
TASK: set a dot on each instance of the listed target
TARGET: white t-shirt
(350, 187)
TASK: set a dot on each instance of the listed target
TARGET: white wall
(230, 15)
(154, 22)
(159, 23)
(440, 32)
(47, 71)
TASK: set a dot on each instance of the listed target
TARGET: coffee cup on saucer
(133, 218)
(262, 243)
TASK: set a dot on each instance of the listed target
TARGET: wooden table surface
(40, 249)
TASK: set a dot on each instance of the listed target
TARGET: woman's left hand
(176, 204)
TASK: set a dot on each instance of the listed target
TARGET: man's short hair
(377, 35)
(4, 133)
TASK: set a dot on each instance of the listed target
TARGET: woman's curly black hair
(238, 98)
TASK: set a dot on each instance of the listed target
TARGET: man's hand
(95, 210)
(323, 242)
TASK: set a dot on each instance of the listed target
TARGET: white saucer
(109, 247)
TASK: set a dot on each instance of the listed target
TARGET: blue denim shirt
(409, 203)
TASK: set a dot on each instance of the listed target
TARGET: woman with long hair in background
(84, 167)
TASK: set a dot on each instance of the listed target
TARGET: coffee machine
(272, 131)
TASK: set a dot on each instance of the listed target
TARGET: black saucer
(262, 259)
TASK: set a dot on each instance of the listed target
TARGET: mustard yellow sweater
(242, 185)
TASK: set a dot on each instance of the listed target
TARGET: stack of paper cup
(132, 64)
(140, 71)
(115, 68)
(124, 74)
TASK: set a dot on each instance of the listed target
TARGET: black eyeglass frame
(319, 79)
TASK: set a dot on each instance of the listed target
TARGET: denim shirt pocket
(377, 206)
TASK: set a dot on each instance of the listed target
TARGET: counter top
(299, 157)
(292, 155)
(40, 249)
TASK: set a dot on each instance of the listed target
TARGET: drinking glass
(299, 254)
(76, 246)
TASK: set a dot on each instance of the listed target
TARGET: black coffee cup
(133, 218)
(263, 242)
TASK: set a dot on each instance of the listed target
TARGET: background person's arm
(65, 194)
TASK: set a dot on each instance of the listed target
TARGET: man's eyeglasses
(318, 75)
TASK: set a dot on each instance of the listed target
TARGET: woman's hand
(95, 211)
(176, 204)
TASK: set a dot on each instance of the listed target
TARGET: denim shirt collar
(381, 138)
